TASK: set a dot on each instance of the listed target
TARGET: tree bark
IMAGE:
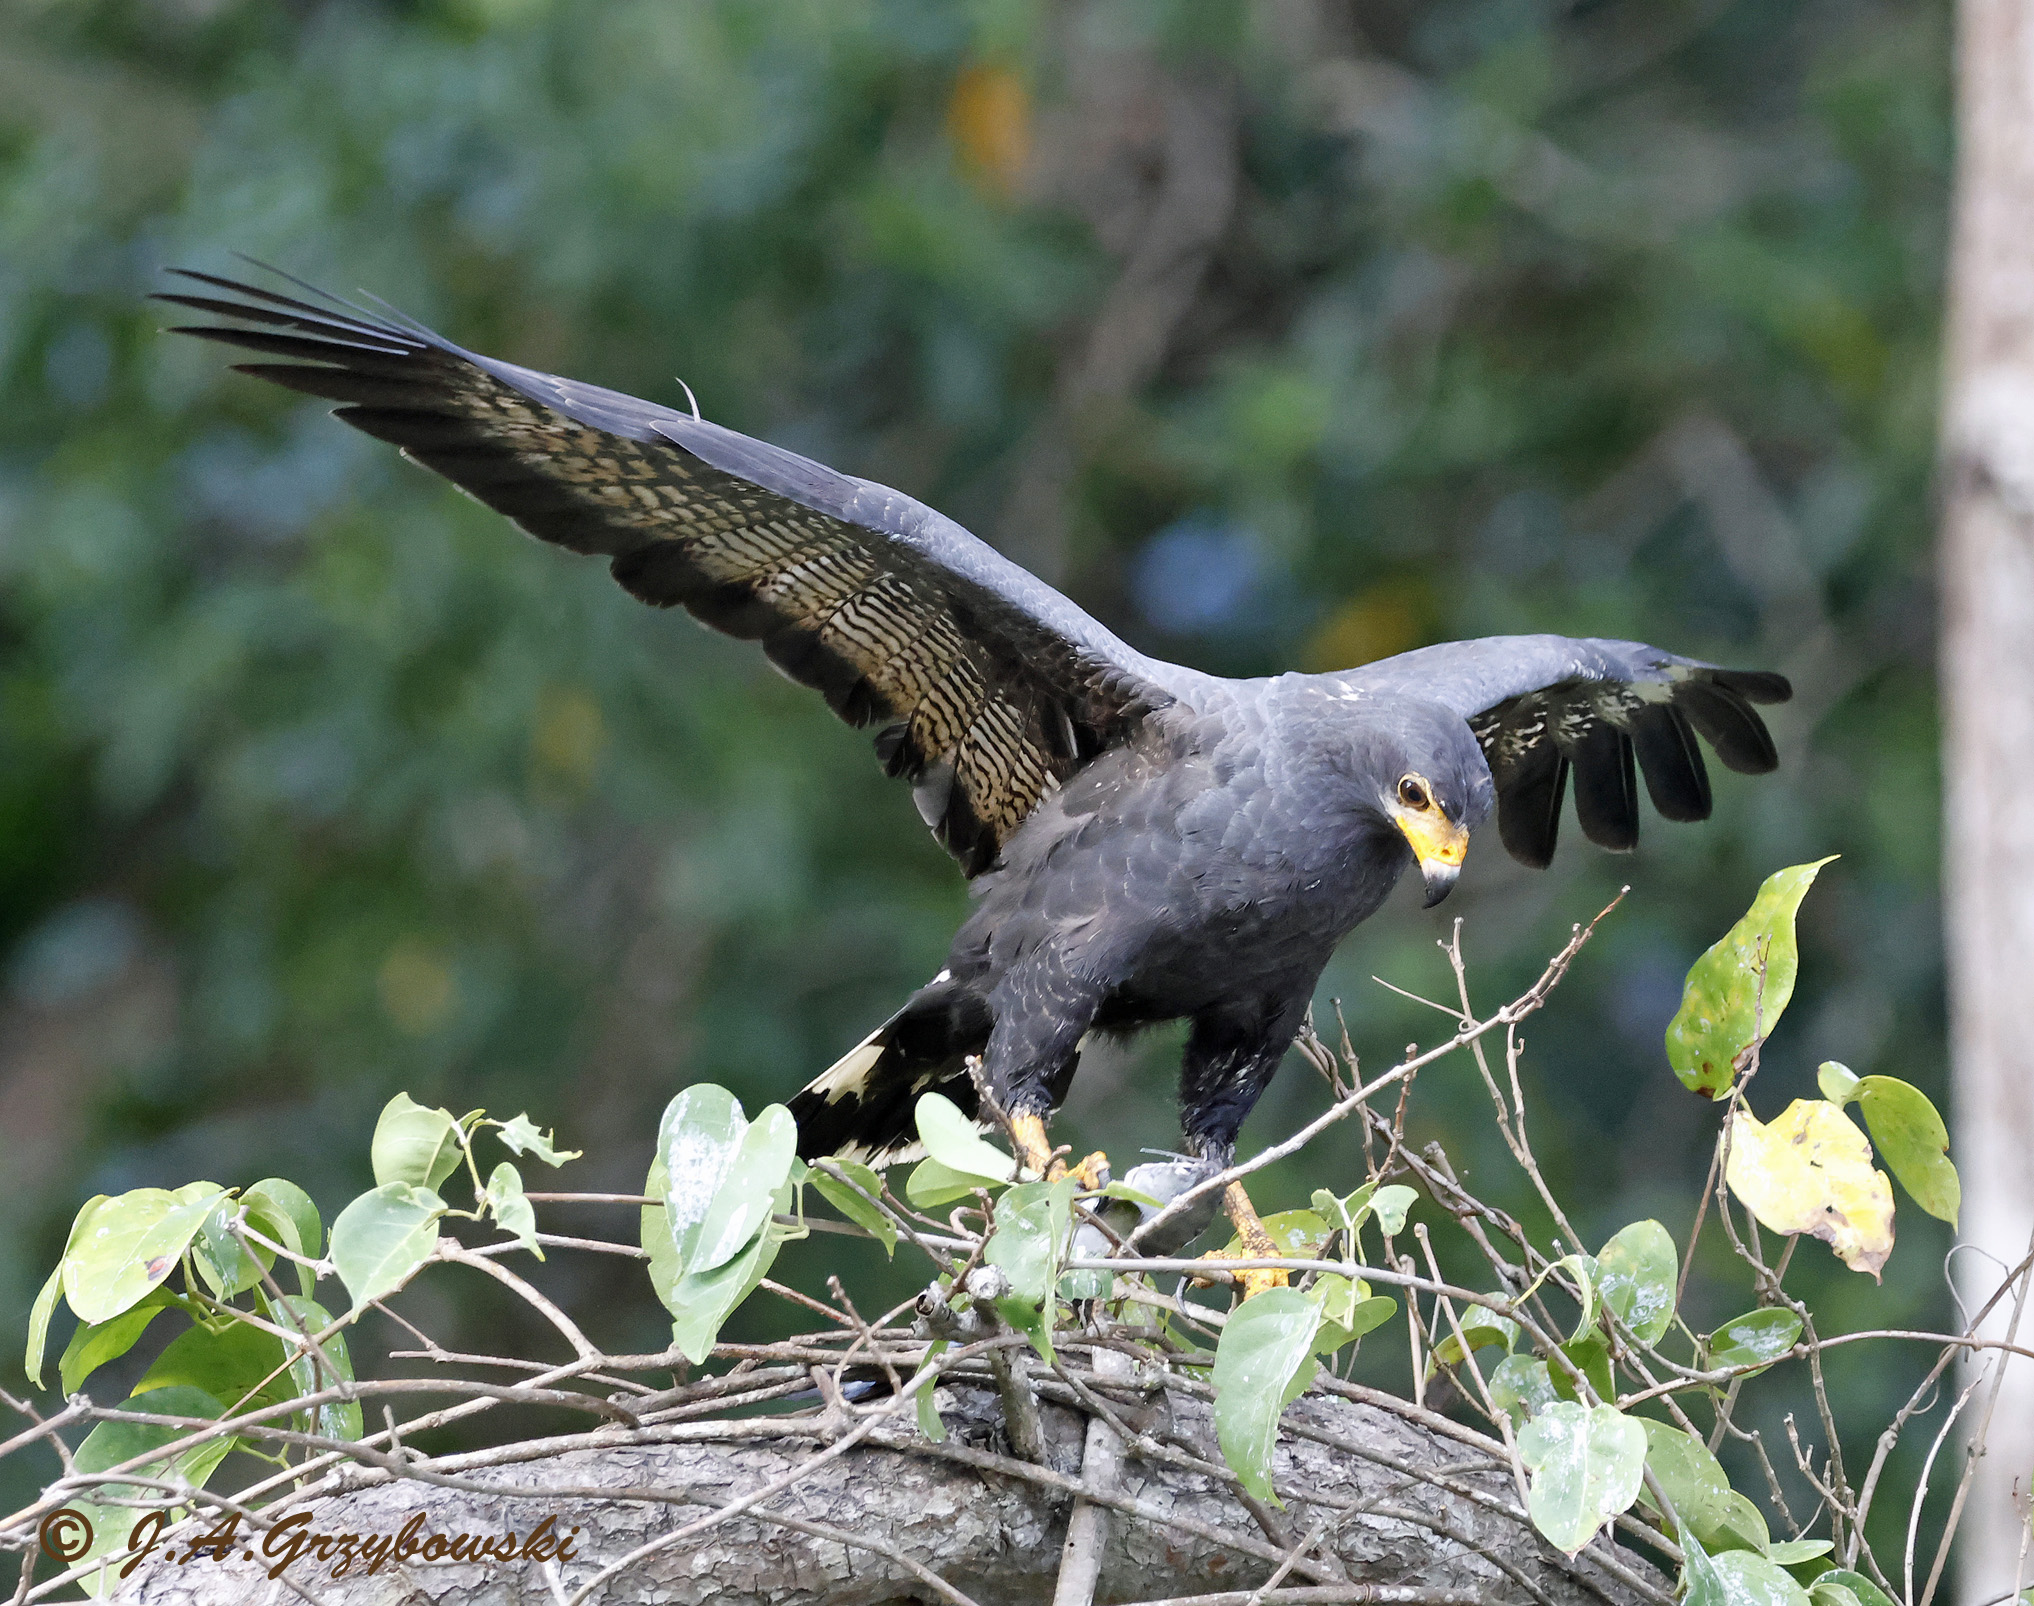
(1987, 575)
(1406, 1522)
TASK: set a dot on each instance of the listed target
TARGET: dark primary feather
(1548, 707)
(989, 687)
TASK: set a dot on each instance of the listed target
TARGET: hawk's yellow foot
(1256, 1243)
(1034, 1153)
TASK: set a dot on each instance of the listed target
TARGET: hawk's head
(1430, 781)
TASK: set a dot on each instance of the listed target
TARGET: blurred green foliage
(317, 781)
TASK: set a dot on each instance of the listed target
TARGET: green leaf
(1390, 1206)
(1837, 1082)
(1345, 1215)
(1589, 1355)
(1362, 1315)
(1265, 1345)
(38, 1324)
(229, 1363)
(1638, 1270)
(226, 1265)
(279, 1209)
(929, 1423)
(1724, 1007)
(955, 1142)
(698, 1141)
(1914, 1142)
(1823, 1593)
(934, 1183)
(45, 1302)
(91, 1347)
(512, 1212)
(1758, 1335)
(113, 1444)
(701, 1300)
(337, 1419)
(840, 1192)
(1587, 1465)
(655, 1237)
(522, 1136)
(1033, 1223)
(1793, 1552)
(1736, 1578)
(413, 1144)
(1483, 1328)
(1584, 1272)
(1693, 1479)
(744, 1195)
(1521, 1387)
(1742, 1526)
(1866, 1592)
(384, 1236)
(126, 1247)
(1299, 1234)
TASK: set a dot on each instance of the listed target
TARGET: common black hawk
(1146, 842)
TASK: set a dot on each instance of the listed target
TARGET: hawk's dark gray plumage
(1147, 842)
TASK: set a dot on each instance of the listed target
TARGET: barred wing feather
(988, 687)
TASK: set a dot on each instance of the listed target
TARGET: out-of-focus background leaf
(1282, 334)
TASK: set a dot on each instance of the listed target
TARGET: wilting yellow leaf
(1811, 1171)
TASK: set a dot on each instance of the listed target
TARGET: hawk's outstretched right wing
(990, 687)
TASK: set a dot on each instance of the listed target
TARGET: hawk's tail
(862, 1107)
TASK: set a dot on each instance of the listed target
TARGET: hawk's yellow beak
(1439, 844)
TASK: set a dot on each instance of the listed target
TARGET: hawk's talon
(1256, 1244)
(1092, 1173)
(1262, 1279)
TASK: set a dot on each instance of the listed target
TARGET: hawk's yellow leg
(1034, 1153)
(1256, 1242)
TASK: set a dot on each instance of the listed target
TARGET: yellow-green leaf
(1587, 1465)
(413, 1144)
(1914, 1142)
(1757, 1336)
(1811, 1172)
(1299, 1234)
(1637, 1274)
(955, 1141)
(853, 1189)
(1725, 1007)
(1266, 1345)
(125, 1247)
(91, 1347)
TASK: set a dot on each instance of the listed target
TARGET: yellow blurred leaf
(1391, 617)
(989, 121)
(568, 735)
(417, 987)
(1811, 1171)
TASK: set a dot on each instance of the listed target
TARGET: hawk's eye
(1413, 793)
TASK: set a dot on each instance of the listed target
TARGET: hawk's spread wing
(991, 688)
(1542, 706)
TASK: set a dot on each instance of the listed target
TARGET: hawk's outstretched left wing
(1544, 705)
(990, 687)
